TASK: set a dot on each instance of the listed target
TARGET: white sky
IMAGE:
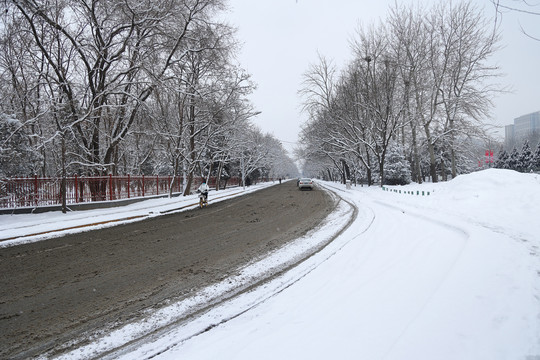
(282, 37)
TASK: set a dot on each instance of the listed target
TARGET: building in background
(526, 127)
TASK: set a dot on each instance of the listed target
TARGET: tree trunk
(381, 172)
(443, 171)
(452, 150)
(63, 185)
(187, 190)
(218, 175)
(345, 174)
(431, 149)
(368, 169)
(174, 180)
(417, 175)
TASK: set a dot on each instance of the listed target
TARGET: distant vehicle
(305, 183)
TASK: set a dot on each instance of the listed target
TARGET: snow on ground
(452, 275)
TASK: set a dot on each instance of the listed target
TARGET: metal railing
(36, 191)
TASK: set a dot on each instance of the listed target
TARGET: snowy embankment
(455, 275)
(452, 275)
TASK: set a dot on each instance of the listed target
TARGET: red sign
(489, 156)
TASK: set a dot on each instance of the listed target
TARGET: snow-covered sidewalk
(22, 228)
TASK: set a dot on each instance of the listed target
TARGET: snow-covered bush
(397, 170)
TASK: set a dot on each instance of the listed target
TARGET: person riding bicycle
(204, 189)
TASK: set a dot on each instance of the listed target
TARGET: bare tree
(106, 59)
(520, 7)
(422, 80)
(382, 95)
(468, 42)
(409, 48)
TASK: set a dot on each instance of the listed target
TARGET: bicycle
(203, 199)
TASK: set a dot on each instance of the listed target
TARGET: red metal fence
(32, 192)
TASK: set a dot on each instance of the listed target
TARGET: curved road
(59, 289)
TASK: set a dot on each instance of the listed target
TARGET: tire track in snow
(462, 233)
(396, 221)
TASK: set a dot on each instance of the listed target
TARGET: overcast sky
(282, 37)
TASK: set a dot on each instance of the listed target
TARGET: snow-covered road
(412, 278)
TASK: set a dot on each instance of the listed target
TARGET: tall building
(526, 127)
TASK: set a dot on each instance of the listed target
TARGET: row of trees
(421, 82)
(110, 87)
(523, 161)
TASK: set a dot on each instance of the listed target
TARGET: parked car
(305, 183)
